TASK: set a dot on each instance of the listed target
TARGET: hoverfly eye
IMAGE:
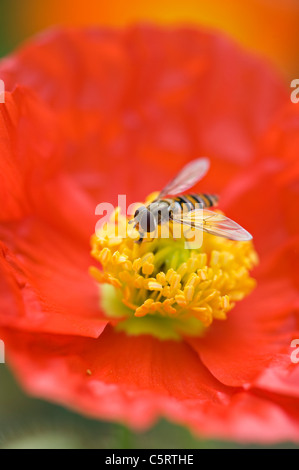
(148, 222)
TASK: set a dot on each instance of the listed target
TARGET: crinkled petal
(117, 377)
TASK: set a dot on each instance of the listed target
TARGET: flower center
(162, 288)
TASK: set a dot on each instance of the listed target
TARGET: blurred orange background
(269, 27)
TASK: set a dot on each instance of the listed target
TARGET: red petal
(154, 98)
(30, 151)
(33, 281)
(138, 379)
(237, 350)
(115, 376)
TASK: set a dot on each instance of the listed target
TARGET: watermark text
(295, 353)
(156, 220)
(2, 352)
(2, 91)
(295, 93)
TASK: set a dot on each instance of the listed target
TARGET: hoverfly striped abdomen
(190, 202)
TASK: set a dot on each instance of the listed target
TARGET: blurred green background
(271, 29)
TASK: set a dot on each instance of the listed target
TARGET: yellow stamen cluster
(162, 279)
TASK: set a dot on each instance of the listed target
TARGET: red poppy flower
(92, 114)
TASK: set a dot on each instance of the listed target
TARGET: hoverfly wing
(186, 178)
(214, 223)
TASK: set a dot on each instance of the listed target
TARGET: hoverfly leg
(139, 241)
(170, 228)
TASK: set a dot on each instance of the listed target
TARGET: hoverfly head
(147, 221)
(138, 215)
(139, 211)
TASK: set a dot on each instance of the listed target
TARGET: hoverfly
(189, 209)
